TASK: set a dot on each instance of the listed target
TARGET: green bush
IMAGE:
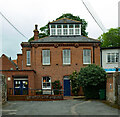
(75, 83)
(56, 86)
(92, 78)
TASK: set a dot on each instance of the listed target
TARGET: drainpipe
(101, 57)
(93, 53)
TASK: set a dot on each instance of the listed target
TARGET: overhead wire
(13, 26)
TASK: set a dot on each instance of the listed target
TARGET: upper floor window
(112, 57)
(46, 82)
(28, 57)
(59, 31)
(86, 56)
(65, 29)
(66, 57)
(46, 57)
(53, 31)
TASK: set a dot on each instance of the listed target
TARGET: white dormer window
(65, 29)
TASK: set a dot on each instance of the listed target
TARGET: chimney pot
(36, 26)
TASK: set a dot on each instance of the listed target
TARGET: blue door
(20, 87)
(67, 91)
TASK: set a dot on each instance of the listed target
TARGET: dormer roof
(65, 20)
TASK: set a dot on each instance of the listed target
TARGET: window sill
(86, 63)
(46, 88)
(112, 63)
(46, 65)
(28, 65)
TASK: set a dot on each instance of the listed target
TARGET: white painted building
(110, 59)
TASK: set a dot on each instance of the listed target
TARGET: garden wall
(4, 89)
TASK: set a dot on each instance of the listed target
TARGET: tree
(45, 32)
(92, 78)
(75, 83)
(110, 38)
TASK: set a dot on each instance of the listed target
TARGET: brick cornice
(56, 45)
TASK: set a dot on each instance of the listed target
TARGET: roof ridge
(64, 18)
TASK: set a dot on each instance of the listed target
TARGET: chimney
(36, 33)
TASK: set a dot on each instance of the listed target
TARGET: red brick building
(55, 57)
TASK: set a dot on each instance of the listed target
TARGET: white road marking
(73, 107)
(8, 110)
(12, 113)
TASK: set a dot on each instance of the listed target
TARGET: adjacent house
(51, 58)
(111, 64)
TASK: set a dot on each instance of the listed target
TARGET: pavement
(63, 107)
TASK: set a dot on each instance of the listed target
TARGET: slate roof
(66, 39)
(65, 20)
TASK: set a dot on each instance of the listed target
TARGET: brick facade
(7, 63)
(56, 70)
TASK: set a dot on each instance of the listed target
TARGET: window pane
(59, 26)
(46, 57)
(59, 31)
(77, 31)
(52, 26)
(117, 57)
(66, 56)
(86, 56)
(71, 26)
(28, 58)
(71, 31)
(46, 82)
(65, 31)
(53, 31)
(108, 57)
(77, 26)
(113, 57)
(64, 25)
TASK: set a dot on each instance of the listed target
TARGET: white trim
(50, 83)
(20, 78)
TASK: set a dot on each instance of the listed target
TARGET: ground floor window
(46, 82)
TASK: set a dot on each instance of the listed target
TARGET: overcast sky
(24, 14)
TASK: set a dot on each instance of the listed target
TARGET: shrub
(92, 78)
(75, 83)
(56, 86)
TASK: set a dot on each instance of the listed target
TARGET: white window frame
(46, 83)
(71, 31)
(45, 58)
(59, 31)
(65, 31)
(53, 31)
(66, 59)
(28, 55)
(113, 56)
(86, 58)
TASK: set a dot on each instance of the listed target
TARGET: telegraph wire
(13, 25)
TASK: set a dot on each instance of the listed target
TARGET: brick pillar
(116, 74)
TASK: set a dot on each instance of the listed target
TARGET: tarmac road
(63, 107)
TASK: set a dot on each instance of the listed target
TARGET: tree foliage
(75, 83)
(44, 31)
(92, 78)
(92, 75)
(110, 38)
